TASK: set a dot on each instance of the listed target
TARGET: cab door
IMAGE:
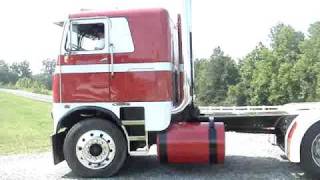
(86, 63)
(121, 49)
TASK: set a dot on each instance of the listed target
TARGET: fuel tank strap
(163, 156)
(212, 143)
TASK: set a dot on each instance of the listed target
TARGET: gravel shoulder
(248, 156)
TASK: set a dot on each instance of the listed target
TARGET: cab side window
(86, 37)
(96, 36)
(120, 35)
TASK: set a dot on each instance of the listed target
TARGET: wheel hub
(95, 149)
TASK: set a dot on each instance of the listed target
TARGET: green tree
(45, 78)
(256, 71)
(200, 66)
(6, 75)
(22, 69)
(237, 95)
(285, 45)
(307, 69)
(4, 70)
(288, 71)
(24, 83)
(219, 72)
(48, 66)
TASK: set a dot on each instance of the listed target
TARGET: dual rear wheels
(310, 151)
(95, 148)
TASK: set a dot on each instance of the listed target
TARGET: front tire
(310, 151)
(95, 148)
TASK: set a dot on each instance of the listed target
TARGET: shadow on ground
(235, 167)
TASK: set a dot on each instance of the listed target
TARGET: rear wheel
(95, 148)
(310, 151)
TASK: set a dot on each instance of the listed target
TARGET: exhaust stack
(187, 57)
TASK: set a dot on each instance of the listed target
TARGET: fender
(106, 112)
(57, 139)
(157, 114)
(297, 129)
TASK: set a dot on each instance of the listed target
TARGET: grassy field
(25, 125)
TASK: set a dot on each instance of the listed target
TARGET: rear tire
(95, 148)
(310, 151)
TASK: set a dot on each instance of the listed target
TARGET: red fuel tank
(192, 142)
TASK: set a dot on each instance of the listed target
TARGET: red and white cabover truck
(123, 82)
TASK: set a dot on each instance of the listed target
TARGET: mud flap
(57, 146)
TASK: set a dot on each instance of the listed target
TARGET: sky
(27, 31)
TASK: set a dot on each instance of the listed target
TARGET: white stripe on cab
(99, 68)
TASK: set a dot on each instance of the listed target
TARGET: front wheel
(310, 151)
(95, 148)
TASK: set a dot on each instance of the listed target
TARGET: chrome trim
(137, 138)
(89, 18)
(95, 138)
(62, 42)
(133, 122)
(315, 150)
(186, 27)
(121, 104)
(110, 46)
(104, 20)
(59, 23)
(134, 138)
(112, 58)
(108, 24)
(104, 60)
(127, 138)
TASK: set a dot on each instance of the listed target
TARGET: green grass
(25, 125)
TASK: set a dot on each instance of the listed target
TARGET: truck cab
(123, 82)
(123, 67)
(135, 66)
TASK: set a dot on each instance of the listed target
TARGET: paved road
(30, 95)
(248, 157)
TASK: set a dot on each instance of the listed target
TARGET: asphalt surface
(247, 157)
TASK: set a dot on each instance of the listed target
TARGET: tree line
(286, 70)
(19, 75)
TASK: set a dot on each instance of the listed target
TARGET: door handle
(111, 46)
(104, 60)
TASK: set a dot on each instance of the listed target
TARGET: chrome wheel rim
(95, 149)
(315, 150)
